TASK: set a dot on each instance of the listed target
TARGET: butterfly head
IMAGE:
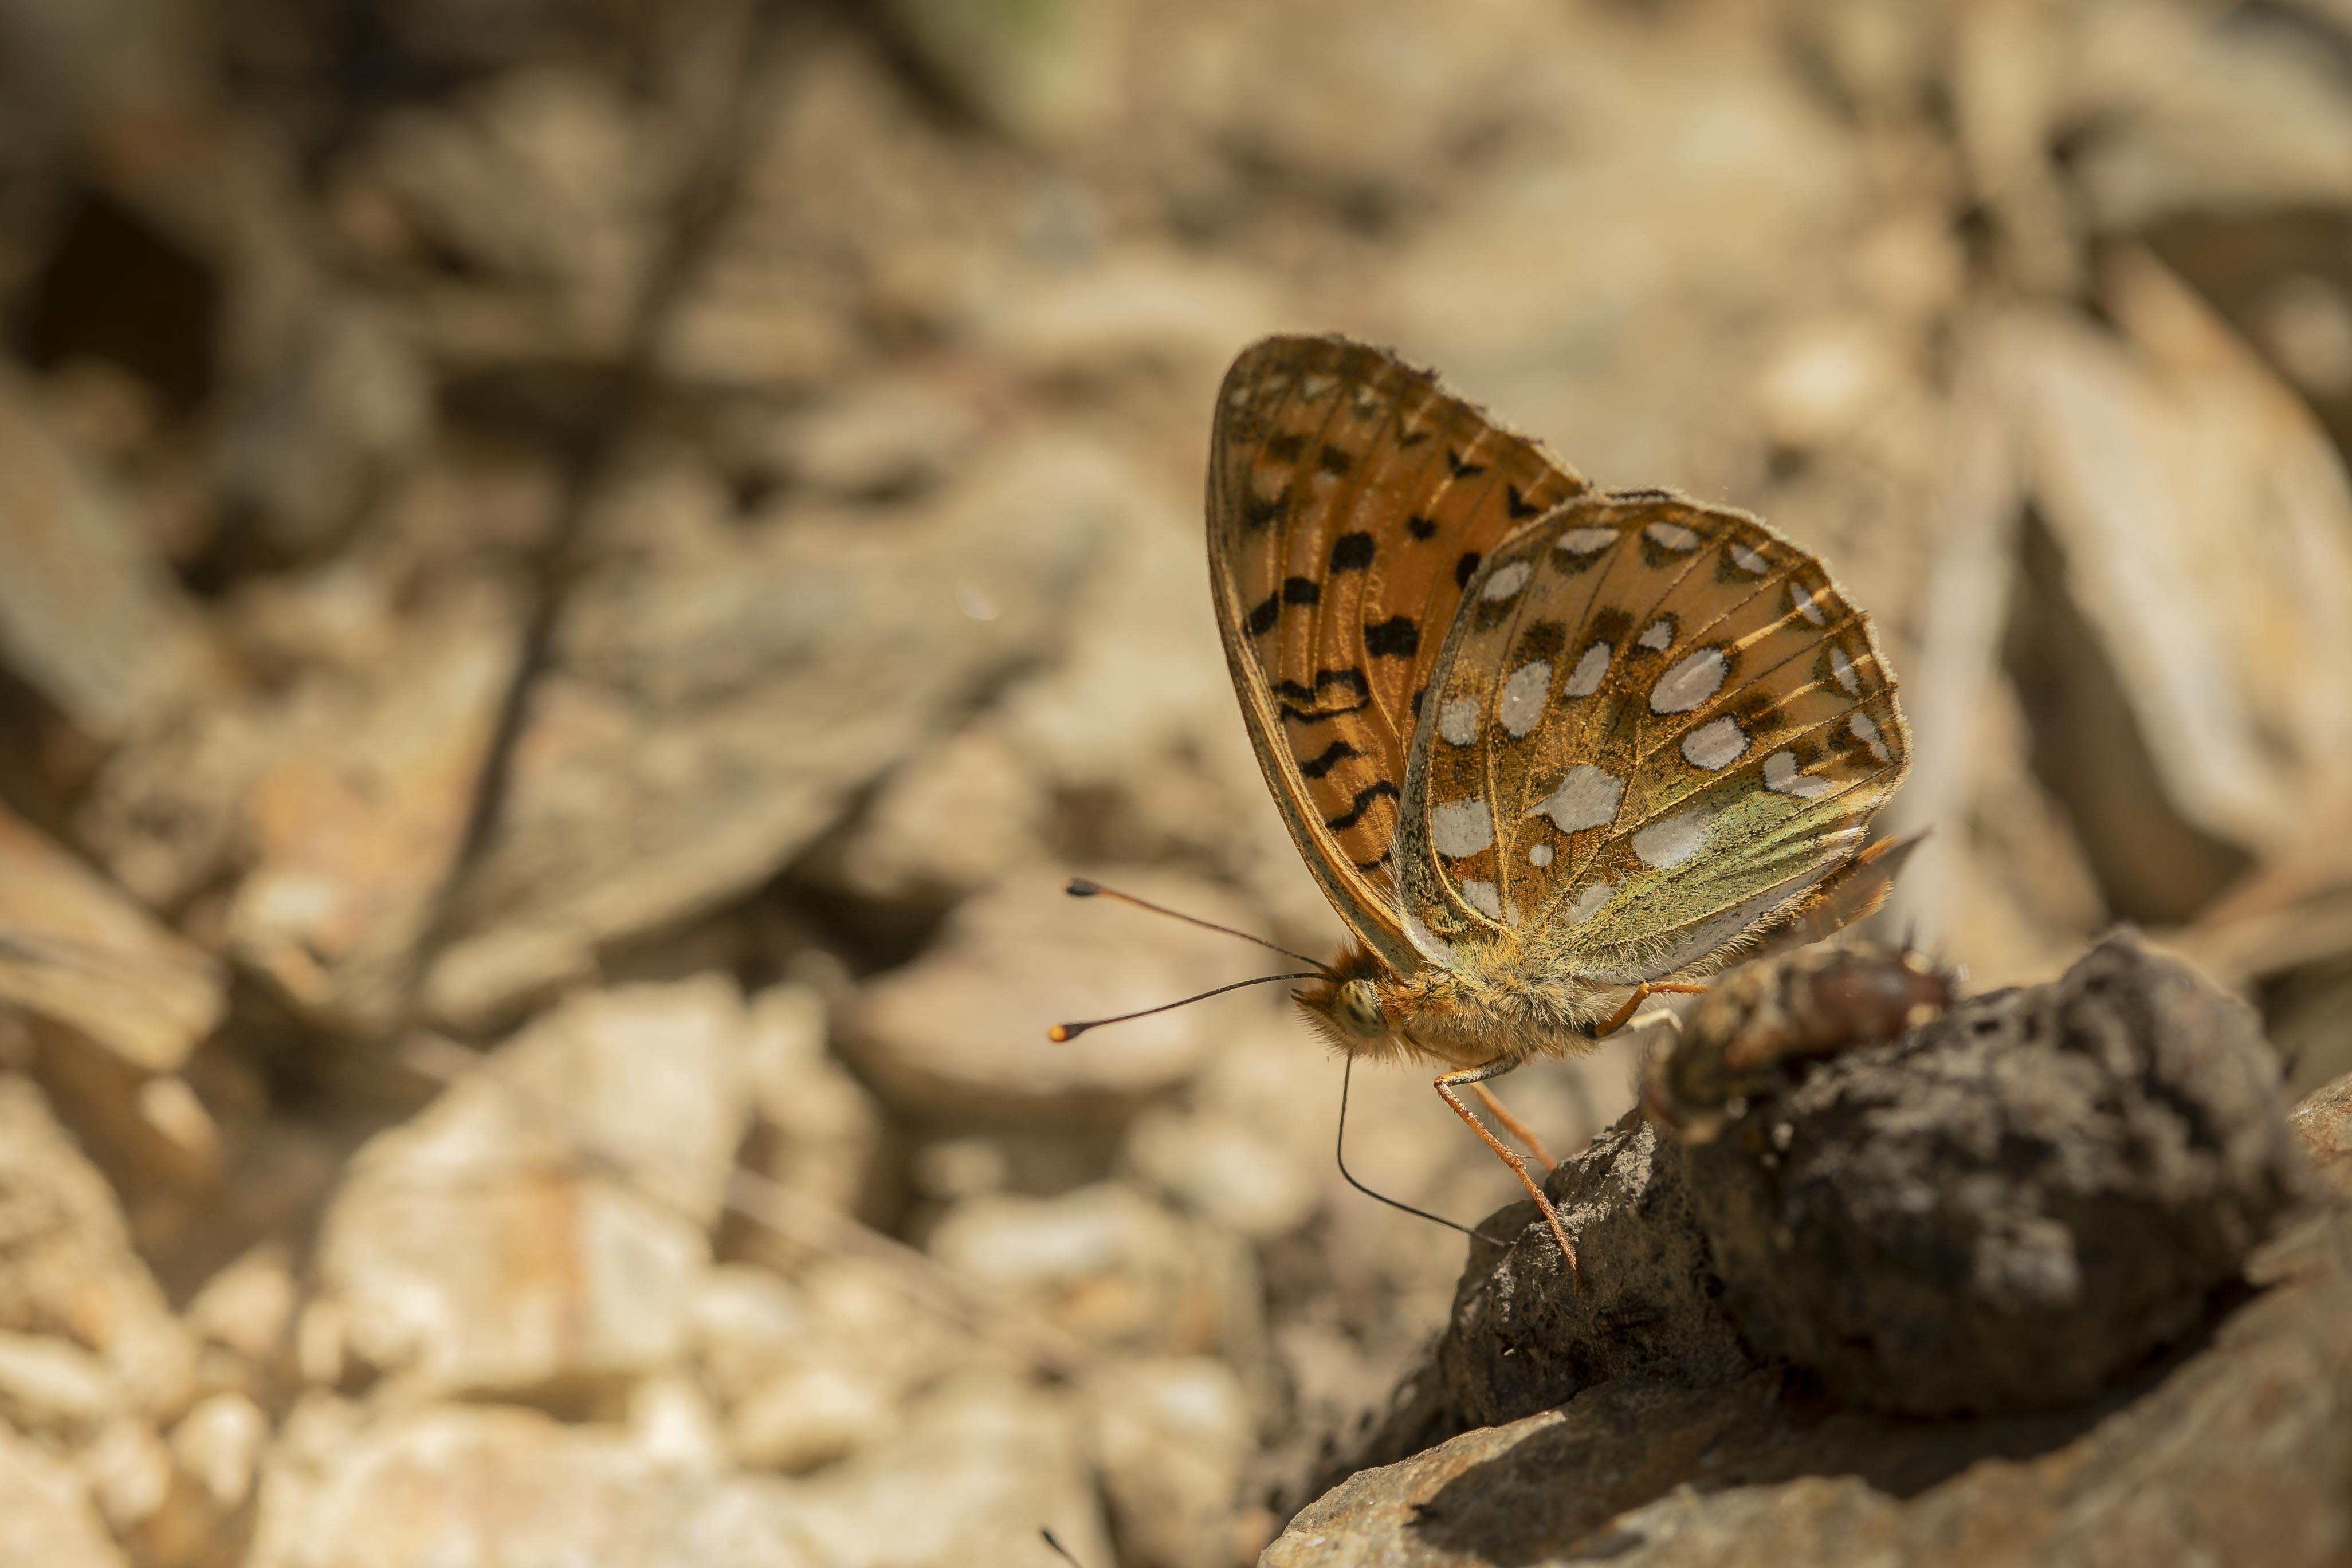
(1352, 1004)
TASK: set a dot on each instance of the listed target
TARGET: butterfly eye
(1362, 1005)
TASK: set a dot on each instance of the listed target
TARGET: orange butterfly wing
(1350, 499)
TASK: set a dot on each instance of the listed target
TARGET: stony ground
(574, 577)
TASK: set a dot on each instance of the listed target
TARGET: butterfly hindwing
(1352, 497)
(1654, 727)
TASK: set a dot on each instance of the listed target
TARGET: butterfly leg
(1641, 993)
(1447, 1084)
(1517, 1128)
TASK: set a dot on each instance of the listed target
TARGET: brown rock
(45, 1517)
(89, 615)
(2324, 1123)
(512, 1486)
(2234, 1452)
(709, 716)
(547, 1218)
(71, 1274)
(961, 1032)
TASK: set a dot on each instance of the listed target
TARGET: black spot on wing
(1333, 461)
(1521, 506)
(1300, 590)
(1267, 611)
(1463, 568)
(1260, 512)
(1420, 527)
(1286, 446)
(1541, 639)
(1351, 552)
(1350, 681)
(1396, 638)
(1462, 468)
(1331, 757)
(1362, 803)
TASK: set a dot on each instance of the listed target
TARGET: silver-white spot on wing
(1658, 634)
(1672, 537)
(1748, 560)
(1460, 828)
(1842, 669)
(1590, 671)
(1586, 798)
(1585, 541)
(1457, 720)
(1485, 897)
(1427, 943)
(1539, 855)
(1523, 698)
(1782, 775)
(1806, 605)
(1867, 733)
(1313, 384)
(1719, 743)
(1694, 678)
(1508, 580)
(1588, 904)
(1670, 841)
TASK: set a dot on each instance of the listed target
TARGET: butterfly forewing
(1654, 728)
(1352, 498)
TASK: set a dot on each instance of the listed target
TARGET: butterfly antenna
(1339, 1153)
(1080, 887)
(1062, 1031)
(1059, 1550)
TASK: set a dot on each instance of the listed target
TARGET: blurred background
(574, 574)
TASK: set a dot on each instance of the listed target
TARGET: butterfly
(1546, 748)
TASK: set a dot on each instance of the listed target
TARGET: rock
(71, 1274)
(673, 1425)
(75, 951)
(981, 1466)
(89, 615)
(506, 1486)
(707, 718)
(2231, 1452)
(1109, 1266)
(891, 436)
(962, 1031)
(816, 1129)
(45, 1515)
(547, 1218)
(808, 1416)
(548, 182)
(959, 815)
(2014, 1205)
(247, 1308)
(2144, 668)
(52, 1386)
(354, 823)
(2324, 1123)
(335, 403)
(219, 1443)
(1170, 1439)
